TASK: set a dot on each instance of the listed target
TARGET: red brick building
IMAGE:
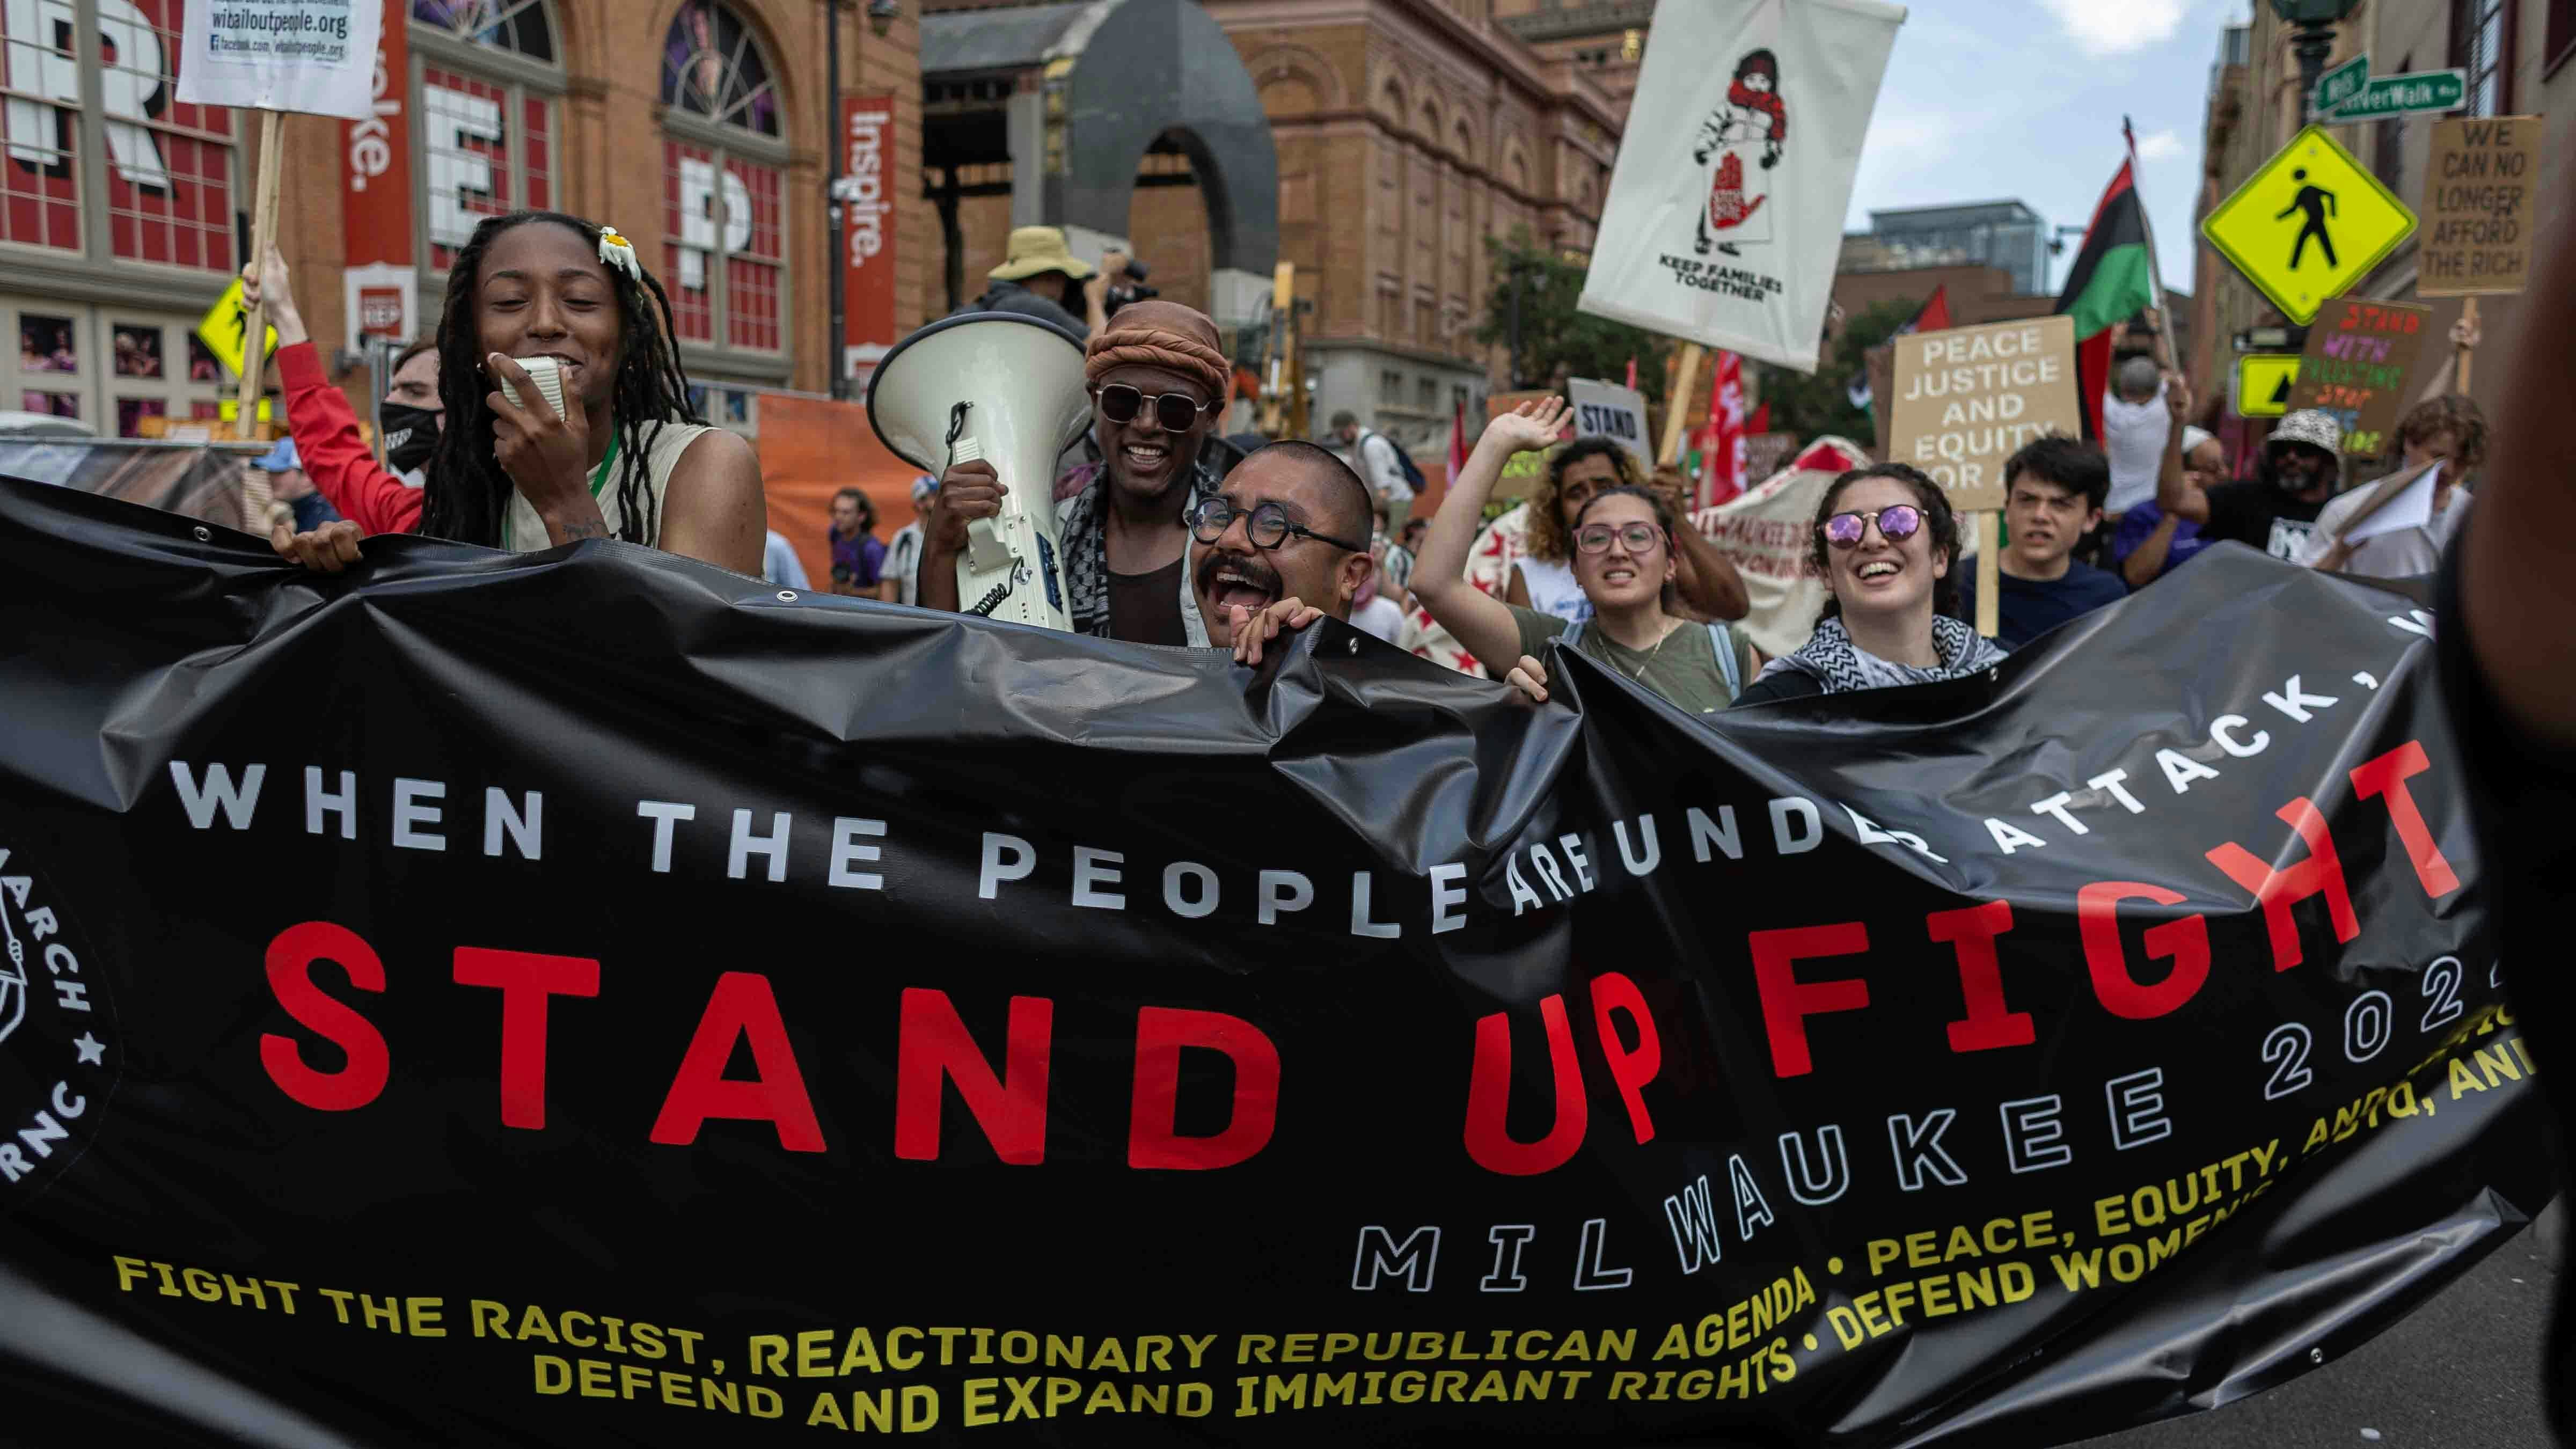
(696, 127)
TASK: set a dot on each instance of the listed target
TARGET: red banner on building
(381, 283)
(867, 230)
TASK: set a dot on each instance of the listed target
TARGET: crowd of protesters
(1169, 539)
(1172, 535)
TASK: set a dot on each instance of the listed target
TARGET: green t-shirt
(1683, 668)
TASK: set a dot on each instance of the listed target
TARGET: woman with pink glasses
(1886, 543)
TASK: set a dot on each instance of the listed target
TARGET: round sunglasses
(1896, 523)
(1120, 403)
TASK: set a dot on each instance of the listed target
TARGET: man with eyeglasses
(1285, 543)
(1158, 380)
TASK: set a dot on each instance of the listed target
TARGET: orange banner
(867, 230)
(811, 448)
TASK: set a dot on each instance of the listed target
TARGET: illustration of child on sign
(1744, 134)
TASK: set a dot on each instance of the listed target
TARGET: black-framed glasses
(1896, 523)
(1176, 411)
(1635, 537)
(1267, 524)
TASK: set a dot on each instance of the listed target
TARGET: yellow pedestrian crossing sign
(2263, 383)
(224, 326)
(2308, 224)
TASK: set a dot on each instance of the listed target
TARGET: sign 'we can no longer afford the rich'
(1968, 398)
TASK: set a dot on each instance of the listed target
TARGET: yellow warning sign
(2308, 224)
(223, 326)
(2263, 383)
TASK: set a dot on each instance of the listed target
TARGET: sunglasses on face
(1896, 523)
(1635, 537)
(1266, 524)
(1120, 403)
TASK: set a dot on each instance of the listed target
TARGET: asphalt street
(2462, 1370)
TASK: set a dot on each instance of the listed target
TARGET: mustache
(1251, 568)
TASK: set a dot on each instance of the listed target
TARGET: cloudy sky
(2021, 100)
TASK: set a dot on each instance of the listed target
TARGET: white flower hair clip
(616, 251)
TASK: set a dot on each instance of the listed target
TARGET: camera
(1126, 285)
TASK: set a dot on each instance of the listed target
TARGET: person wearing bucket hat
(2277, 510)
(1041, 277)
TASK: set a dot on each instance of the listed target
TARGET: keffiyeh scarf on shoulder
(1081, 518)
(1832, 658)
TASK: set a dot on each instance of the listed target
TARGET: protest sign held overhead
(1967, 399)
(1726, 208)
(2358, 367)
(1602, 410)
(1562, 1051)
(2478, 196)
(2307, 224)
(282, 55)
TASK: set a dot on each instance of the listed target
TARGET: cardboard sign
(1522, 472)
(1603, 410)
(2360, 355)
(1967, 399)
(2477, 228)
(281, 55)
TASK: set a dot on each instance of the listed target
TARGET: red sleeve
(335, 457)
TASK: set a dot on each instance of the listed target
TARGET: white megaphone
(1008, 389)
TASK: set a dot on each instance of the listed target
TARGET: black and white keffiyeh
(1832, 658)
(1081, 532)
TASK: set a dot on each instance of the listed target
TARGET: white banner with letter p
(1725, 217)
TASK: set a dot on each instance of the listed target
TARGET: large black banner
(592, 998)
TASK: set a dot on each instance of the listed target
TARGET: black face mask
(411, 435)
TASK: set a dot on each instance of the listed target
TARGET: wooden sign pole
(1676, 404)
(257, 502)
(1986, 532)
(263, 233)
(2468, 314)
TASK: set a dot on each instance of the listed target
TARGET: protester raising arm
(2148, 559)
(318, 415)
(1482, 624)
(1704, 580)
(2178, 495)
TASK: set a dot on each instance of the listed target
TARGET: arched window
(488, 81)
(723, 182)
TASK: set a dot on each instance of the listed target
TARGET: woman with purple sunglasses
(1886, 543)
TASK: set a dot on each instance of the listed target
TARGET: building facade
(2004, 234)
(1408, 132)
(2515, 53)
(1405, 132)
(697, 127)
(1604, 37)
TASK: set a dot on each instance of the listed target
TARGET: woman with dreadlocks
(625, 458)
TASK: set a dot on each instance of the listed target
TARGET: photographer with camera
(1040, 277)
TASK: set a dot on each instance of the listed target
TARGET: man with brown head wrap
(1158, 379)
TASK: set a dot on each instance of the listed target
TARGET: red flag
(1935, 316)
(1632, 374)
(1724, 478)
(1761, 421)
(1457, 439)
